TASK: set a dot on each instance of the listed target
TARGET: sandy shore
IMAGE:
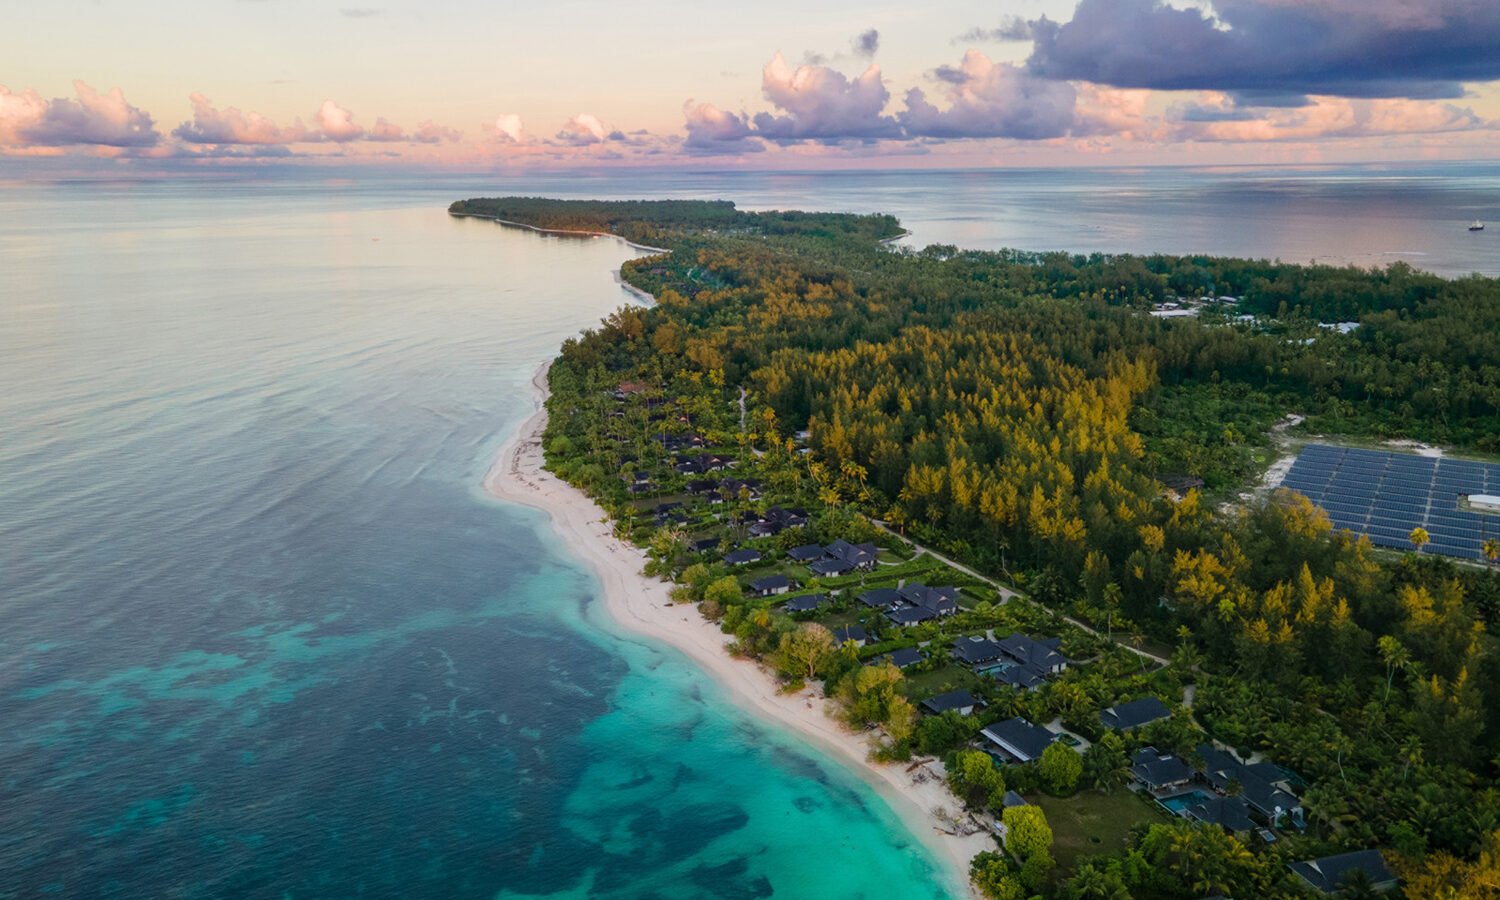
(641, 604)
(569, 232)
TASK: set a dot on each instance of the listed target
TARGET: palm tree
(1492, 550)
(1419, 538)
(1395, 656)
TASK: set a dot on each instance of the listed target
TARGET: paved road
(1006, 594)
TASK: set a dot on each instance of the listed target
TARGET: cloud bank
(1276, 50)
(92, 118)
(820, 103)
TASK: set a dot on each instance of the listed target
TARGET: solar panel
(1386, 495)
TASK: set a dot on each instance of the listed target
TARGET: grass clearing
(1090, 822)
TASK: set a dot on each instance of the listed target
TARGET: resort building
(770, 586)
(1330, 874)
(960, 700)
(806, 603)
(1018, 739)
(1134, 714)
(842, 636)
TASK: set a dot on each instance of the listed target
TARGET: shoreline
(641, 605)
(564, 231)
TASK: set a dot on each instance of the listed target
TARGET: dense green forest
(1019, 411)
(675, 222)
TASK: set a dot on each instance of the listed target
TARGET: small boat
(1477, 226)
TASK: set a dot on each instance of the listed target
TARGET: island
(1099, 563)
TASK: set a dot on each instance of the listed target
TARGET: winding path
(1006, 594)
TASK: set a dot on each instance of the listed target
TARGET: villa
(806, 603)
(960, 700)
(1018, 739)
(853, 633)
(741, 557)
(902, 658)
(770, 585)
(1128, 716)
(1329, 874)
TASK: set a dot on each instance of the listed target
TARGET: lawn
(921, 685)
(1090, 822)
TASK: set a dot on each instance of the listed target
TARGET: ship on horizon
(1477, 226)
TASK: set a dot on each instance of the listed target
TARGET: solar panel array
(1387, 495)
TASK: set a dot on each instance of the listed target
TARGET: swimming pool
(1179, 802)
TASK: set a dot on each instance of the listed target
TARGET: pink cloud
(988, 99)
(711, 129)
(337, 123)
(92, 119)
(583, 129)
(230, 126)
(508, 127)
(430, 132)
(385, 131)
(820, 103)
(1215, 117)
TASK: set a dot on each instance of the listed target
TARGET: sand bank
(642, 605)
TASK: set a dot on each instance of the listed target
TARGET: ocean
(263, 635)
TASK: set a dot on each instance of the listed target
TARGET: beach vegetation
(1060, 768)
(1027, 833)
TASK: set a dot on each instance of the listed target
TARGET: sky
(495, 85)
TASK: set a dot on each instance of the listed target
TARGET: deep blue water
(262, 635)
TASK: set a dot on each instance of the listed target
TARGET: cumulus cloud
(337, 123)
(19, 113)
(105, 120)
(713, 130)
(821, 103)
(1217, 117)
(430, 132)
(865, 43)
(230, 126)
(583, 129)
(1417, 49)
(1115, 111)
(385, 131)
(988, 100)
(508, 128)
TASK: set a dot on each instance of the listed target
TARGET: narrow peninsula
(1121, 576)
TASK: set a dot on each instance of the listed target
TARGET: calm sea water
(262, 635)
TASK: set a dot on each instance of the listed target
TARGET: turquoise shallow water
(263, 634)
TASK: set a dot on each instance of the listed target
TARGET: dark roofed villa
(1019, 739)
(1229, 813)
(853, 633)
(741, 557)
(806, 603)
(831, 568)
(858, 556)
(806, 553)
(974, 650)
(1159, 771)
(903, 658)
(960, 700)
(880, 598)
(940, 601)
(770, 585)
(1135, 714)
(1331, 873)
(910, 615)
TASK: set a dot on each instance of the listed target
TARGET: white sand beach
(642, 605)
